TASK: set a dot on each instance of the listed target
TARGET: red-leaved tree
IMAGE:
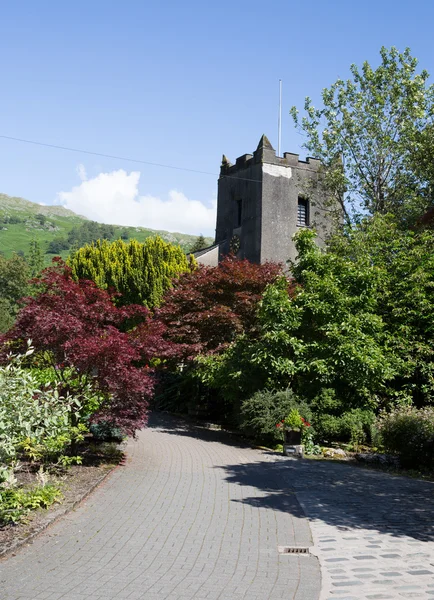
(205, 310)
(77, 329)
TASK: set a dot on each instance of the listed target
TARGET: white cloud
(114, 198)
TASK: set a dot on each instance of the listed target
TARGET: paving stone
(421, 572)
(194, 516)
(180, 520)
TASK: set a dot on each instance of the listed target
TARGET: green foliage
(404, 263)
(308, 440)
(329, 334)
(57, 246)
(104, 432)
(265, 409)
(14, 274)
(293, 420)
(15, 504)
(373, 122)
(142, 273)
(33, 420)
(199, 244)
(35, 258)
(409, 433)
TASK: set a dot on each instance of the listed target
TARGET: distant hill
(56, 228)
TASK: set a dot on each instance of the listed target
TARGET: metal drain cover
(292, 550)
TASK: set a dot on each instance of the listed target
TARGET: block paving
(195, 515)
(171, 524)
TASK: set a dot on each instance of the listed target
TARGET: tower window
(239, 213)
(303, 212)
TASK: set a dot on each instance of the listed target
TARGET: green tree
(35, 259)
(14, 274)
(141, 273)
(327, 332)
(367, 132)
(199, 244)
(57, 245)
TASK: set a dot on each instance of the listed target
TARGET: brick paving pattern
(173, 524)
(193, 515)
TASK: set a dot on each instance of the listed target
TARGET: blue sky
(176, 83)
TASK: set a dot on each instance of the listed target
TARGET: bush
(141, 273)
(261, 412)
(334, 422)
(104, 432)
(409, 433)
(36, 421)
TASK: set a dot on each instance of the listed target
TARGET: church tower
(263, 200)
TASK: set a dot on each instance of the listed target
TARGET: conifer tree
(199, 244)
(141, 273)
(35, 259)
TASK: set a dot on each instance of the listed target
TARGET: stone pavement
(174, 523)
(373, 532)
(195, 516)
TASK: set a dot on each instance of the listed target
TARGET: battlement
(265, 153)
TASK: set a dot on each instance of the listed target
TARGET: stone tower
(263, 200)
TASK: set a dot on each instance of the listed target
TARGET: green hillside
(22, 221)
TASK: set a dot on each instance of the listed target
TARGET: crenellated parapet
(265, 153)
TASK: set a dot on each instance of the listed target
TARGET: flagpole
(279, 134)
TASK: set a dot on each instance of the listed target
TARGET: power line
(123, 158)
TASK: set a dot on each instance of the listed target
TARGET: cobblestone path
(188, 517)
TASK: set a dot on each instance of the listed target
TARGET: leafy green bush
(17, 503)
(334, 422)
(33, 419)
(409, 433)
(261, 413)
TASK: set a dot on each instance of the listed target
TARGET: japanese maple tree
(79, 331)
(205, 310)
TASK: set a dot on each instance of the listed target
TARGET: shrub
(351, 426)
(79, 332)
(32, 419)
(141, 273)
(207, 309)
(334, 422)
(16, 504)
(261, 413)
(409, 433)
(104, 432)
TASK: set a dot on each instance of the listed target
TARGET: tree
(42, 219)
(77, 331)
(405, 261)
(199, 244)
(141, 273)
(57, 245)
(321, 331)
(200, 316)
(14, 275)
(206, 309)
(366, 134)
(35, 258)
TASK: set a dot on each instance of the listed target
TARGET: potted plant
(293, 426)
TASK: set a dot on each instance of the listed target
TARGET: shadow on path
(341, 495)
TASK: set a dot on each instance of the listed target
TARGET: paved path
(187, 518)
(190, 517)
